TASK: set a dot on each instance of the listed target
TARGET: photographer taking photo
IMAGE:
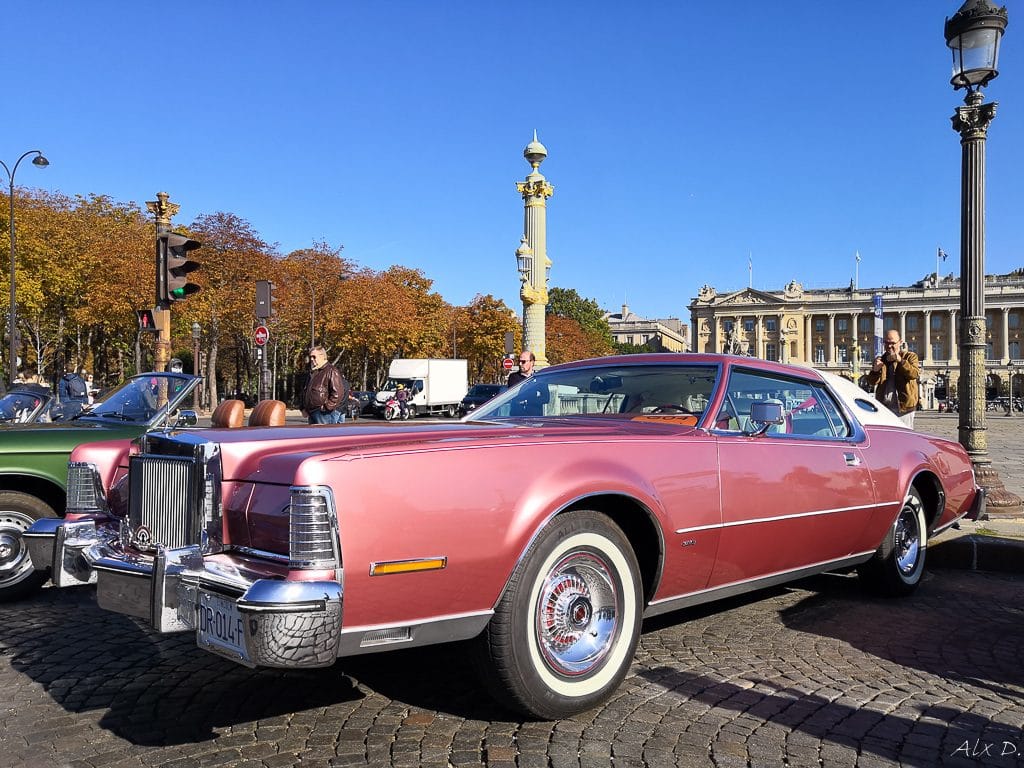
(895, 374)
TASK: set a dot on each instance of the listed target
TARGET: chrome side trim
(794, 516)
(438, 629)
(262, 554)
(665, 605)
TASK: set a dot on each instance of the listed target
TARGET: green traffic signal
(173, 267)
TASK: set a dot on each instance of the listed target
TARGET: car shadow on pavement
(155, 689)
(918, 681)
(972, 643)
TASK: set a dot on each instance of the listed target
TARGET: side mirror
(186, 419)
(765, 414)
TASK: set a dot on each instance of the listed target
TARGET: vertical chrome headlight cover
(85, 490)
(313, 541)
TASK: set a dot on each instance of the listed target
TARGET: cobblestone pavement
(1003, 434)
(815, 674)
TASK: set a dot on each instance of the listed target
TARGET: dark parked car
(359, 404)
(478, 395)
(35, 460)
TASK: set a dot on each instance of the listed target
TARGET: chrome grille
(85, 492)
(163, 501)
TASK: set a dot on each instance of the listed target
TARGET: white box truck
(437, 385)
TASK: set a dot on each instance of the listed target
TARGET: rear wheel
(897, 567)
(450, 412)
(17, 512)
(563, 635)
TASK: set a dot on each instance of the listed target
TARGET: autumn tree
(482, 336)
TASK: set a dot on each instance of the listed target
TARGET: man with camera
(895, 376)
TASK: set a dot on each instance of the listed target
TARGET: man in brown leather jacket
(895, 376)
(326, 391)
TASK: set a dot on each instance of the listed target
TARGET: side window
(808, 408)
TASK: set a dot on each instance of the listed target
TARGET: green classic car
(34, 461)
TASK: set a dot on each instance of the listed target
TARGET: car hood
(289, 455)
(56, 435)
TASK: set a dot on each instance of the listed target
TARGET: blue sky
(682, 136)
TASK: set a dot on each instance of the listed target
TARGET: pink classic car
(542, 529)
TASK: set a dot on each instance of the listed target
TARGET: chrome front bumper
(62, 546)
(274, 623)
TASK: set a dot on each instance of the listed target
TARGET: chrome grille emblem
(142, 537)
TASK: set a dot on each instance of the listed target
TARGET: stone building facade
(668, 334)
(834, 328)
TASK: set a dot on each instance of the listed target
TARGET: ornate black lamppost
(12, 337)
(973, 34)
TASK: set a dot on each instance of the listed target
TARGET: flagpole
(938, 250)
(750, 269)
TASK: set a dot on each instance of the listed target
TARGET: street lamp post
(973, 34)
(1010, 369)
(40, 162)
(312, 312)
(196, 333)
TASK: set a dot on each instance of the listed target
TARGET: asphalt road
(815, 674)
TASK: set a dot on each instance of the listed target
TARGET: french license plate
(219, 626)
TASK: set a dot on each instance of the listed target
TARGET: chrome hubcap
(908, 540)
(14, 560)
(577, 616)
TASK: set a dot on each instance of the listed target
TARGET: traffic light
(264, 299)
(172, 268)
(146, 320)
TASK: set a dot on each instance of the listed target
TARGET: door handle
(852, 459)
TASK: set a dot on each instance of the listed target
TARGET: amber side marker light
(408, 566)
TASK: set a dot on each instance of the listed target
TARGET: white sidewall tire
(621, 651)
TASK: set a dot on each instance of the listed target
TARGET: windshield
(144, 398)
(20, 406)
(630, 390)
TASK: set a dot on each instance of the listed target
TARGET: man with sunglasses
(326, 391)
(526, 361)
(895, 375)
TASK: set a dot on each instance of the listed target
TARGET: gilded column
(534, 292)
(1005, 354)
(808, 339)
(926, 356)
(953, 357)
(830, 353)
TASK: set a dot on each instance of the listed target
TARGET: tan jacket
(908, 371)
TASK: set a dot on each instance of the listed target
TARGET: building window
(1015, 350)
(888, 323)
(911, 322)
(728, 325)
(771, 324)
(988, 321)
(1013, 321)
(771, 352)
(842, 324)
(937, 351)
(819, 353)
(844, 354)
(748, 324)
(866, 351)
(866, 323)
(912, 345)
(819, 324)
(989, 353)
(936, 322)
